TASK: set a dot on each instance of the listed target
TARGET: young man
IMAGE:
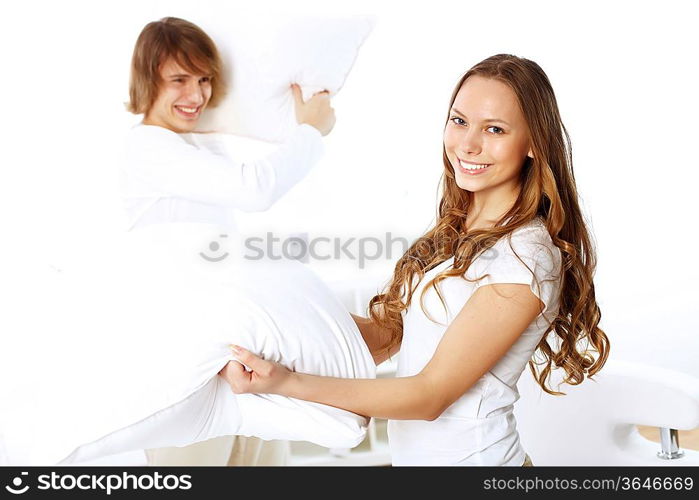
(171, 175)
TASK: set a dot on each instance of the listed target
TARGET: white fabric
(119, 351)
(263, 56)
(170, 177)
(479, 428)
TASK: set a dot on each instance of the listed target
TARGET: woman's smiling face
(486, 138)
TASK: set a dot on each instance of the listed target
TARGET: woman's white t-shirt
(479, 428)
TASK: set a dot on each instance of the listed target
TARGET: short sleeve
(527, 256)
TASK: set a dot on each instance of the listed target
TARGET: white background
(624, 74)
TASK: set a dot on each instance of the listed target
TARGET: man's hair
(181, 40)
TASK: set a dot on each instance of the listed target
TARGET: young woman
(506, 271)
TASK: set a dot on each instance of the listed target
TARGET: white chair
(595, 422)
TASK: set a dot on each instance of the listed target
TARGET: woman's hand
(265, 377)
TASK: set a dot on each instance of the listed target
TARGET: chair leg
(669, 444)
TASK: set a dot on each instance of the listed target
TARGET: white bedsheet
(120, 350)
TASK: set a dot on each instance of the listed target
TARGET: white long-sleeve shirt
(170, 177)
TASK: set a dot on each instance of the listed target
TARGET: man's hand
(317, 112)
(265, 377)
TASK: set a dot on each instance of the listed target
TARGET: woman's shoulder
(531, 242)
(532, 233)
(526, 250)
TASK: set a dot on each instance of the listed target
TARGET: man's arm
(163, 160)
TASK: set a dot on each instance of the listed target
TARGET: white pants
(222, 451)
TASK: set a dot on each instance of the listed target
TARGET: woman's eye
(205, 79)
(496, 130)
(458, 121)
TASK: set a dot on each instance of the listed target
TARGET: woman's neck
(486, 209)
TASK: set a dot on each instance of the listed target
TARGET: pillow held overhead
(262, 59)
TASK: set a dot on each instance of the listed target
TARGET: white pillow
(128, 346)
(264, 56)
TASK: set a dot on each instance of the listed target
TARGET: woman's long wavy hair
(547, 191)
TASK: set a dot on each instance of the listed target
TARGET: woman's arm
(486, 327)
(375, 337)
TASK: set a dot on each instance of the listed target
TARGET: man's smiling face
(181, 99)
